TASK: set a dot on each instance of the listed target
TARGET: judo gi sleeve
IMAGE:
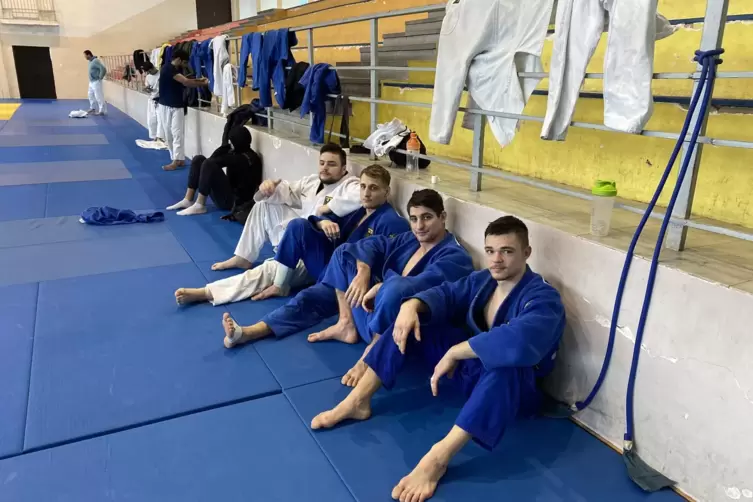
(286, 193)
(348, 200)
(372, 251)
(527, 338)
(449, 267)
(447, 302)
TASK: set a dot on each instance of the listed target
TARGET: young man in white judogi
(332, 190)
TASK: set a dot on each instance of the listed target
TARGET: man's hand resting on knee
(407, 322)
(330, 229)
(360, 285)
(368, 300)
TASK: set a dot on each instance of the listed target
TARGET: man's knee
(297, 227)
(198, 159)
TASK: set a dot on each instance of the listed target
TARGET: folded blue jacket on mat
(106, 215)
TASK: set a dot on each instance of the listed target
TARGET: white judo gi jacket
(221, 58)
(270, 216)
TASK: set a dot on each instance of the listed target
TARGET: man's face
(426, 225)
(88, 57)
(373, 192)
(330, 168)
(505, 256)
(177, 62)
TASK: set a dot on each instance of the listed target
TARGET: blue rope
(709, 61)
(703, 57)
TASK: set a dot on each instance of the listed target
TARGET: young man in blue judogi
(494, 332)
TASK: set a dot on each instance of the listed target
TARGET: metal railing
(713, 29)
(27, 10)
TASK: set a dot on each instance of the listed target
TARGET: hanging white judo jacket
(484, 44)
(300, 199)
(628, 62)
(153, 118)
(221, 58)
(154, 57)
(228, 92)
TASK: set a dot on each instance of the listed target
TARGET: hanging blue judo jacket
(106, 215)
(275, 56)
(527, 328)
(203, 60)
(194, 60)
(251, 45)
(318, 80)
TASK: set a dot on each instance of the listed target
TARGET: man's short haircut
(88, 52)
(377, 172)
(509, 225)
(181, 54)
(427, 198)
(333, 148)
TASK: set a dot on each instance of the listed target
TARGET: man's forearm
(362, 267)
(462, 351)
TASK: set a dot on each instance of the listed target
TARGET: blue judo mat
(109, 390)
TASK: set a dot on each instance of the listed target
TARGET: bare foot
(270, 292)
(234, 262)
(248, 333)
(420, 484)
(343, 331)
(184, 296)
(349, 408)
(172, 166)
(354, 374)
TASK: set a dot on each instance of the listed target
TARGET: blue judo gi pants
(303, 241)
(495, 398)
(319, 302)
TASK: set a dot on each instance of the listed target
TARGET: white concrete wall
(694, 393)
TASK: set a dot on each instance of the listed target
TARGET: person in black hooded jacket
(228, 190)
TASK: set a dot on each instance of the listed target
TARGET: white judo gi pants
(484, 44)
(154, 120)
(97, 97)
(242, 286)
(266, 222)
(628, 62)
(173, 122)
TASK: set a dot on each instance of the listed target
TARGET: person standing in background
(172, 106)
(154, 125)
(97, 72)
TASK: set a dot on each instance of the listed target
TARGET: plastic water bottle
(602, 205)
(411, 162)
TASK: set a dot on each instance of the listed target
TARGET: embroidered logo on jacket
(369, 232)
(327, 199)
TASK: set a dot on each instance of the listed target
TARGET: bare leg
(420, 484)
(184, 296)
(250, 333)
(356, 406)
(234, 262)
(172, 166)
(355, 373)
(344, 330)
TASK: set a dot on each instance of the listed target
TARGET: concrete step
(400, 39)
(387, 49)
(400, 58)
(437, 14)
(344, 72)
(421, 22)
(423, 29)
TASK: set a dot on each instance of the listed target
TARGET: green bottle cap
(604, 188)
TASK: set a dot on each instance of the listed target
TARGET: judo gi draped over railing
(713, 29)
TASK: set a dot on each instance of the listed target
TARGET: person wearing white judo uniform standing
(154, 125)
(171, 109)
(97, 73)
(278, 202)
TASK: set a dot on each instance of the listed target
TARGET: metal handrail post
(713, 34)
(477, 152)
(310, 33)
(373, 81)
